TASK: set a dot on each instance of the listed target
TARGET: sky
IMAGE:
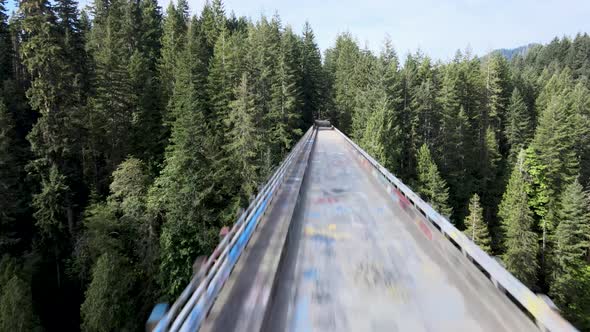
(436, 27)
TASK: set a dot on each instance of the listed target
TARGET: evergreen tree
(570, 281)
(284, 115)
(456, 134)
(181, 192)
(476, 228)
(426, 119)
(311, 77)
(497, 92)
(10, 174)
(519, 125)
(108, 305)
(175, 25)
(5, 44)
(16, 306)
(551, 162)
(376, 139)
(213, 22)
(54, 137)
(520, 241)
(341, 62)
(431, 186)
(244, 141)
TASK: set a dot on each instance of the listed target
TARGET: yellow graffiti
(328, 232)
(533, 304)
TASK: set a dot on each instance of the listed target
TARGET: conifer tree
(431, 185)
(520, 241)
(551, 162)
(16, 302)
(497, 92)
(244, 141)
(213, 22)
(426, 120)
(9, 180)
(311, 78)
(108, 303)
(175, 25)
(519, 125)
(284, 115)
(476, 228)
(5, 44)
(569, 286)
(341, 62)
(181, 192)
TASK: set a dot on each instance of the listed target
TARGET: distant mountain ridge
(510, 53)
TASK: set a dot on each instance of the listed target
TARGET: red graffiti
(325, 200)
(403, 201)
(425, 230)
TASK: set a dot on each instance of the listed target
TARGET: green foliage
(175, 26)
(9, 179)
(16, 302)
(311, 77)
(108, 304)
(571, 277)
(520, 241)
(98, 104)
(476, 228)
(16, 306)
(51, 207)
(244, 141)
(431, 186)
(181, 191)
(340, 64)
(519, 125)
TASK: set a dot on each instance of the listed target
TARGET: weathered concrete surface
(361, 259)
(242, 302)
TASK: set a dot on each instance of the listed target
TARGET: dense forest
(129, 135)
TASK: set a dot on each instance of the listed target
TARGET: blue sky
(437, 27)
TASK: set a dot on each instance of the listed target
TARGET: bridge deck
(361, 259)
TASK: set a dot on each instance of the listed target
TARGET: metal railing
(545, 317)
(192, 306)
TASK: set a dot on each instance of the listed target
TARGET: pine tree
(456, 133)
(148, 133)
(175, 26)
(108, 305)
(551, 162)
(284, 115)
(244, 141)
(476, 228)
(224, 75)
(519, 125)
(571, 252)
(376, 138)
(10, 174)
(16, 306)
(213, 22)
(181, 192)
(111, 109)
(426, 120)
(431, 186)
(341, 62)
(54, 137)
(520, 241)
(5, 44)
(497, 92)
(311, 77)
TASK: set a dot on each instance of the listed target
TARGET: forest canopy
(131, 134)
